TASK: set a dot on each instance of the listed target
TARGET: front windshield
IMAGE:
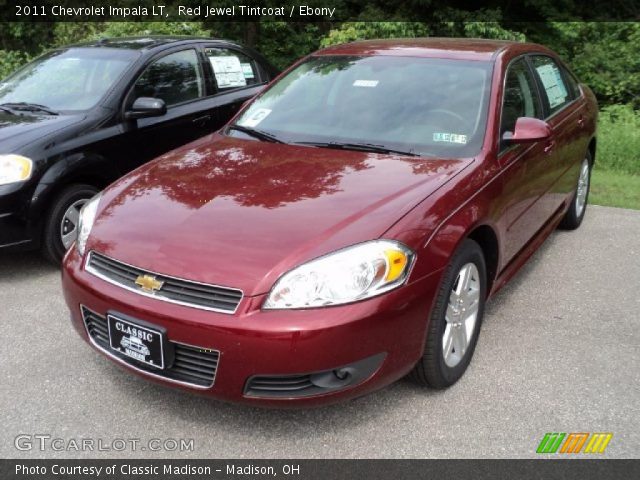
(425, 106)
(72, 79)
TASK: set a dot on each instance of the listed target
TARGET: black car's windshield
(71, 79)
(422, 106)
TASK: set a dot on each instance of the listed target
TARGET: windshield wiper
(362, 147)
(28, 107)
(259, 134)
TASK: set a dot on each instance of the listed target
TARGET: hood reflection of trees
(253, 177)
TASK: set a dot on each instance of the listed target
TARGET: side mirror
(528, 130)
(145, 107)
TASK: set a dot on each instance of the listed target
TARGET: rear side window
(548, 71)
(574, 89)
(175, 78)
(520, 97)
(232, 69)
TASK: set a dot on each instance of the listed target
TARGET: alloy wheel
(461, 315)
(583, 187)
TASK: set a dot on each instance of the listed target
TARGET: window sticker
(255, 118)
(553, 84)
(247, 70)
(366, 83)
(450, 138)
(228, 71)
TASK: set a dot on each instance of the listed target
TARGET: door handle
(202, 119)
(581, 121)
(548, 148)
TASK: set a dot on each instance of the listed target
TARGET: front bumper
(388, 330)
(16, 231)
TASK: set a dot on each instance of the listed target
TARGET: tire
(71, 198)
(573, 218)
(436, 368)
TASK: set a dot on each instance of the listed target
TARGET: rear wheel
(575, 214)
(455, 319)
(61, 224)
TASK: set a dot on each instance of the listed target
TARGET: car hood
(17, 130)
(239, 213)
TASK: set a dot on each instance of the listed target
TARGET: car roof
(431, 47)
(148, 42)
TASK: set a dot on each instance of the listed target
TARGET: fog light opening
(342, 373)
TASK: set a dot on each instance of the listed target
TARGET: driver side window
(175, 78)
(520, 98)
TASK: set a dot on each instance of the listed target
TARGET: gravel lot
(559, 352)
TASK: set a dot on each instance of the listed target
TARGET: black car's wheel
(455, 319)
(575, 214)
(61, 223)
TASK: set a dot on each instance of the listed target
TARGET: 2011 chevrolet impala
(344, 229)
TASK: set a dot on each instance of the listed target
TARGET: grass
(619, 139)
(615, 181)
(615, 189)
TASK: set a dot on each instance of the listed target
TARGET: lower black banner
(583, 469)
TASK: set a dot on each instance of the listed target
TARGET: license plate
(136, 341)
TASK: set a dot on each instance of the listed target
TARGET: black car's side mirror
(144, 107)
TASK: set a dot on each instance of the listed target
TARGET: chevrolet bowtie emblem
(148, 283)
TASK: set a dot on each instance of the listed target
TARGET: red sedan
(344, 229)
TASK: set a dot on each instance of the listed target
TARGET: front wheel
(455, 319)
(575, 214)
(61, 223)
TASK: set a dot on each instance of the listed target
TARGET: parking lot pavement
(559, 352)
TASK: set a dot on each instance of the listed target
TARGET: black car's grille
(183, 292)
(191, 365)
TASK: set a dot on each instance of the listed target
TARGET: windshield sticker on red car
(366, 83)
(450, 138)
(255, 118)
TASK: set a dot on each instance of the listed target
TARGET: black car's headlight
(354, 273)
(85, 224)
(14, 168)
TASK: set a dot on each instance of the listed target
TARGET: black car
(79, 117)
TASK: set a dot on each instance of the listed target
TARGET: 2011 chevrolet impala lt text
(344, 229)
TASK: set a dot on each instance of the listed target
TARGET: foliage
(619, 139)
(351, 31)
(11, 60)
(129, 29)
(284, 42)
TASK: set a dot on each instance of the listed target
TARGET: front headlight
(350, 274)
(15, 168)
(85, 224)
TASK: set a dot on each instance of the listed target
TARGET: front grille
(281, 386)
(174, 290)
(192, 365)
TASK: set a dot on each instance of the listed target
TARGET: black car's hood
(22, 129)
